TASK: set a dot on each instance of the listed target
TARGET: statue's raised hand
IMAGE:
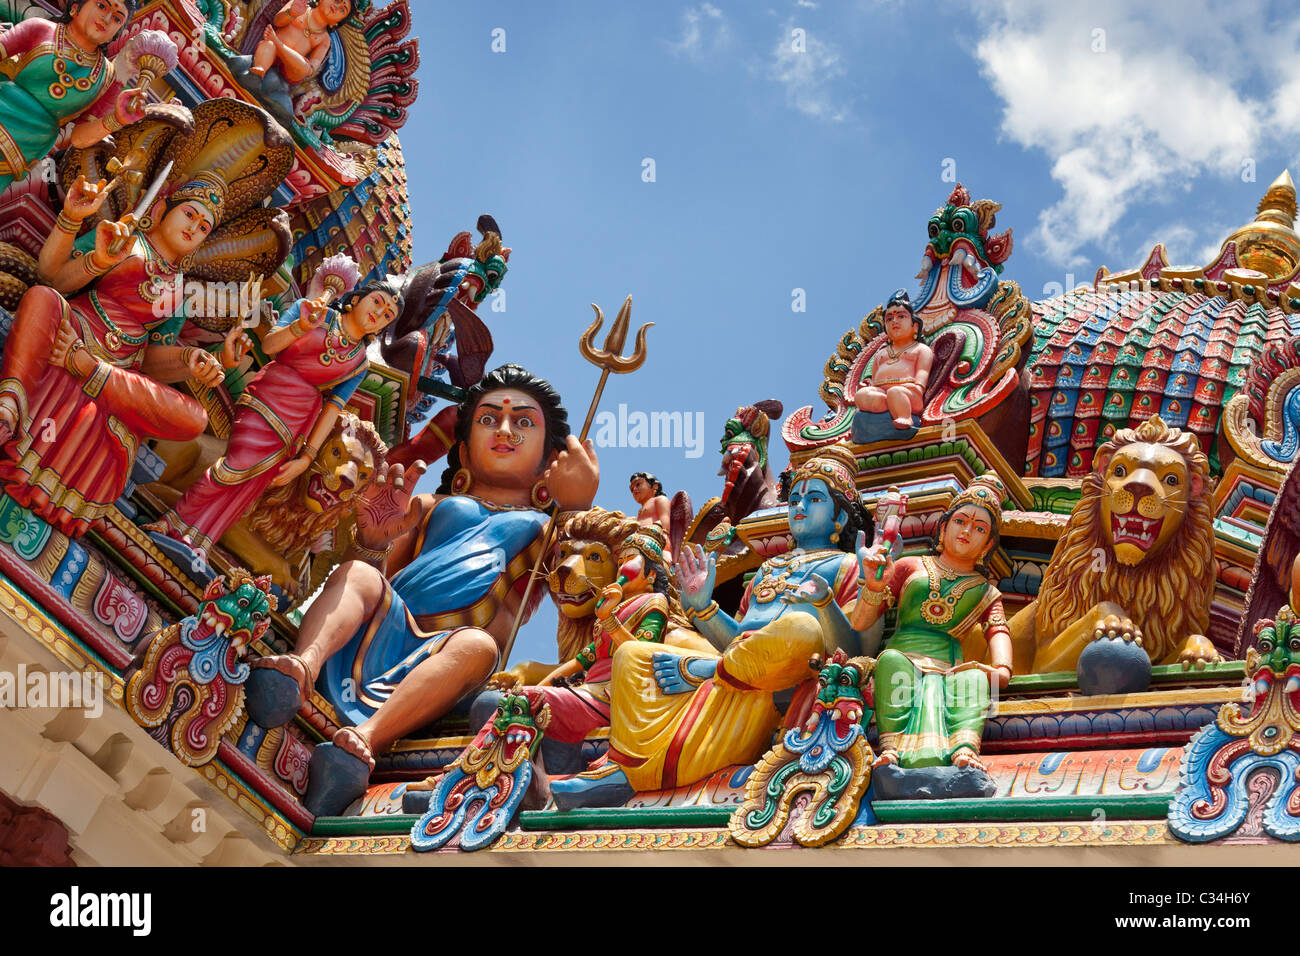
(574, 476)
(130, 105)
(610, 597)
(84, 198)
(870, 561)
(113, 243)
(237, 344)
(204, 367)
(697, 573)
(297, 8)
(311, 313)
(384, 509)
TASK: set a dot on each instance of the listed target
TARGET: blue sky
(1101, 128)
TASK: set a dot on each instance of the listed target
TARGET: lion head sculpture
(1140, 536)
(292, 518)
(587, 562)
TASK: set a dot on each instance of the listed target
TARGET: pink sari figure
(288, 409)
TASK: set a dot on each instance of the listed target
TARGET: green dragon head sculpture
(509, 739)
(238, 609)
(1277, 649)
(841, 700)
(962, 223)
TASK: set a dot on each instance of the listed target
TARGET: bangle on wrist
(112, 123)
(94, 382)
(69, 362)
(92, 268)
(66, 223)
(883, 597)
(707, 613)
(824, 602)
(371, 554)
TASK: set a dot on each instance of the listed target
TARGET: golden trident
(608, 359)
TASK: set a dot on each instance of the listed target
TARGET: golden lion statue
(1136, 559)
(585, 564)
(310, 516)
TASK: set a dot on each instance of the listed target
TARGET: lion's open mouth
(316, 490)
(1135, 529)
(582, 597)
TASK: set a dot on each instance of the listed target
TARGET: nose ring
(516, 438)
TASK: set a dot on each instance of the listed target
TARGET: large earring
(835, 535)
(461, 481)
(541, 495)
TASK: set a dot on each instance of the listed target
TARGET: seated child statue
(900, 370)
(298, 39)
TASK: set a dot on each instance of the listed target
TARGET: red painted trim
(684, 728)
(266, 786)
(58, 607)
(620, 758)
(1088, 741)
(732, 681)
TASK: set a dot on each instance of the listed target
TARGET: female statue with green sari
(930, 703)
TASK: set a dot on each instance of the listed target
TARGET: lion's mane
(609, 528)
(1167, 594)
(285, 523)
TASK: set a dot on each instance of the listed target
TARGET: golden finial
(1270, 244)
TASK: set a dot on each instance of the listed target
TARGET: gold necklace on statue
(939, 607)
(894, 356)
(775, 575)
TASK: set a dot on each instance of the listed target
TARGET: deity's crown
(986, 491)
(650, 540)
(836, 466)
(208, 189)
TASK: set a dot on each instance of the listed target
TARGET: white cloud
(705, 33)
(1131, 102)
(807, 67)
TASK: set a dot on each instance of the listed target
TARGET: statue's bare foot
(965, 757)
(8, 420)
(349, 740)
(902, 422)
(887, 758)
(164, 527)
(292, 666)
